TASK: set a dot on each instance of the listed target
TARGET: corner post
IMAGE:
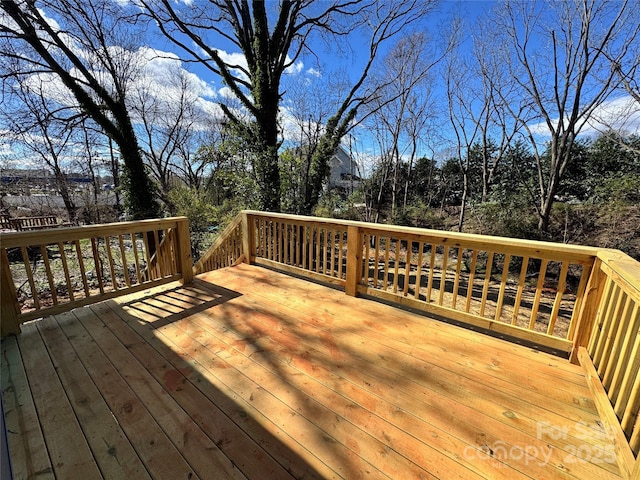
(588, 310)
(185, 261)
(8, 300)
(354, 259)
(248, 237)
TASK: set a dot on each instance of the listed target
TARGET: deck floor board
(249, 373)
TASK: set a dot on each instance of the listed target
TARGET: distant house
(344, 171)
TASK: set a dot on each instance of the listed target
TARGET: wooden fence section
(30, 223)
(610, 354)
(50, 271)
(525, 289)
(225, 250)
(315, 248)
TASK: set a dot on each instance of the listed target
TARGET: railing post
(185, 260)
(588, 310)
(354, 259)
(248, 236)
(9, 303)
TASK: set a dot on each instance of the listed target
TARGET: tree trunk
(465, 195)
(140, 188)
(63, 188)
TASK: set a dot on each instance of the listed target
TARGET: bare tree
(38, 129)
(309, 104)
(270, 42)
(485, 115)
(464, 110)
(85, 46)
(170, 119)
(561, 61)
(401, 109)
(386, 21)
(502, 113)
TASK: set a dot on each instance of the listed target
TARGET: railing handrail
(579, 251)
(54, 235)
(626, 270)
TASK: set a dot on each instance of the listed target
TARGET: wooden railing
(30, 223)
(51, 271)
(609, 351)
(582, 301)
(224, 251)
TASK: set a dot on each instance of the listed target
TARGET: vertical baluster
(83, 273)
(32, 283)
(472, 277)
(387, 247)
(376, 262)
(65, 268)
(521, 281)
(332, 245)
(443, 275)
(340, 252)
(562, 283)
(107, 246)
(503, 286)
(577, 305)
(628, 364)
(47, 267)
(536, 301)
(318, 240)
(396, 266)
(487, 281)
(616, 354)
(419, 271)
(125, 266)
(305, 245)
(432, 268)
(456, 280)
(97, 263)
(136, 259)
(365, 263)
(407, 267)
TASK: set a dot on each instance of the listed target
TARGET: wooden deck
(253, 374)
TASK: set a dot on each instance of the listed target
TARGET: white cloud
(294, 69)
(162, 69)
(621, 114)
(211, 109)
(159, 75)
(226, 92)
(313, 72)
